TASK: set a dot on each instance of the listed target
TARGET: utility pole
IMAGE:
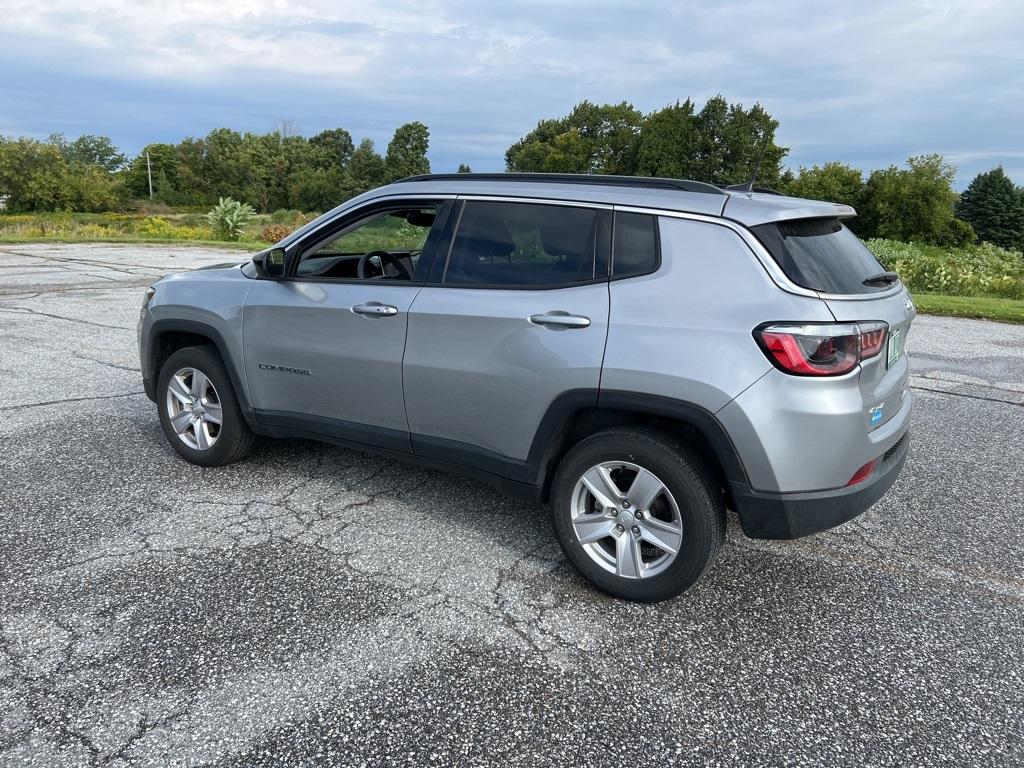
(149, 173)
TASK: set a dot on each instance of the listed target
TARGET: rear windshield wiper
(882, 278)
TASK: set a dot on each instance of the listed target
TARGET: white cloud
(879, 73)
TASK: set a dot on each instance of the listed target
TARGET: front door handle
(375, 309)
(560, 319)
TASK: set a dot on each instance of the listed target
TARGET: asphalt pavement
(315, 605)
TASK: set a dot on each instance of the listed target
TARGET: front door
(323, 347)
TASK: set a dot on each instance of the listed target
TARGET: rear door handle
(375, 309)
(560, 319)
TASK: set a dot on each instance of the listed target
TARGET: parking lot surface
(315, 605)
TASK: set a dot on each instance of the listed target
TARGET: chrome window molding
(762, 256)
(536, 201)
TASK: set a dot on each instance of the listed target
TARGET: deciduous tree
(720, 144)
(914, 204)
(407, 152)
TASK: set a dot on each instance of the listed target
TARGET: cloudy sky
(867, 83)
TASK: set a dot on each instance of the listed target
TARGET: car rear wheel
(637, 513)
(198, 408)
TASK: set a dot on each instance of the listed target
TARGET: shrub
(981, 270)
(154, 226)
(272, 233)
(284, 216)
(157, 227)
(278, 230)
(229, 217)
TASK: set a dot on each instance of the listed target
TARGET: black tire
(688, 480)
(234, 440)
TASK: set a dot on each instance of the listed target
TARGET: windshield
(823, 255)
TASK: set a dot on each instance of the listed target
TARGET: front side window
(385, 245)
(525, 244)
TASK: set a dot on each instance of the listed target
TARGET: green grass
(186, 228)
(982, 307)
(239, 245)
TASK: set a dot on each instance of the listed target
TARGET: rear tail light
(828, 349)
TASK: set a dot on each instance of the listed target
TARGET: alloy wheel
(626, 519)
(194, 408)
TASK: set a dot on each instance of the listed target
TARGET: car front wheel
(198, 408)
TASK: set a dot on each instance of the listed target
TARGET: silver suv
(638, 354)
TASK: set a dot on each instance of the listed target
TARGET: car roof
(749, 208)
(746, 207)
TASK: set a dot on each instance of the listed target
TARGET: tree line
(719, 143)
(723, 143)
(270, 171)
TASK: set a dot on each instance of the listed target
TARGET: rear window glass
(635, 244)
(821, 254)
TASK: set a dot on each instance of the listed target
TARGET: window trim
(657, 247)
(443, 203)
(461, 202)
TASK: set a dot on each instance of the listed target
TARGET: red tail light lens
(829, 349)
(872, 339)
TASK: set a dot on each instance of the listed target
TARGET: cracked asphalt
(314, 605)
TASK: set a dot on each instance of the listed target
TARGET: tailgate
(883, 378)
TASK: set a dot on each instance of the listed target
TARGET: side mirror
(270, 263)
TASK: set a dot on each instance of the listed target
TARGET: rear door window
(503, 244)
(823, 255)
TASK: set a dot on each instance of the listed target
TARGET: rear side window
(635, 244)
(821, 254)
(524, 244)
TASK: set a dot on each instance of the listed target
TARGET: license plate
(895, 347)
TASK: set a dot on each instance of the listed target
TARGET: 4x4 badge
(876, 413)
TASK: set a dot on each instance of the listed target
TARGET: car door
(323, 347)
(513, 320)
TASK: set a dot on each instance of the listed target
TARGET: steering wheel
(386, 258)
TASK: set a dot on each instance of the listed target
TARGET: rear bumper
(766, 515)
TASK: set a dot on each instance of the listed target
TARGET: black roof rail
(575, 178)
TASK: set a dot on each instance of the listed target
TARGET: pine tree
(994, 208)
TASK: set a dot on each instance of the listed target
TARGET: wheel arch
(168, 336)
(576, 415)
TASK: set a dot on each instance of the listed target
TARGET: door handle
(375, 309)
(560, 319)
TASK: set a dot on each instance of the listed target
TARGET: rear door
(516, 317)
(825, 256)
